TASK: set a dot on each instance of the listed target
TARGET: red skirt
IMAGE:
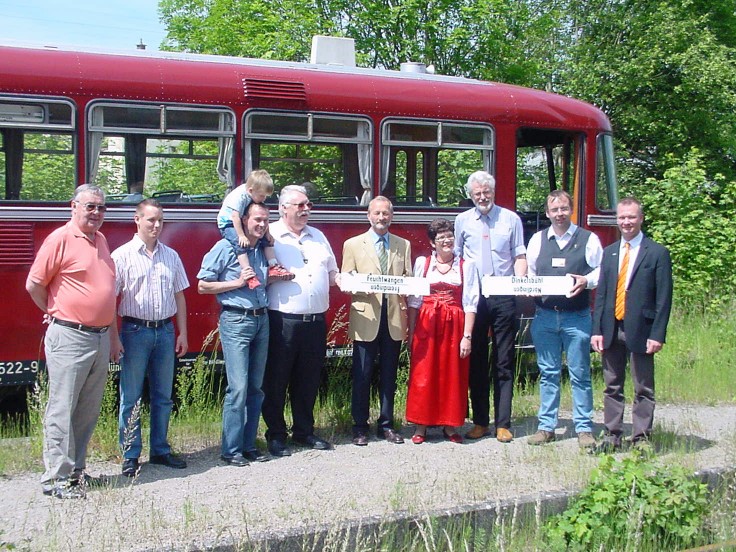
(438, 377)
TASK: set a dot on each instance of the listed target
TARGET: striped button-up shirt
(147, 285)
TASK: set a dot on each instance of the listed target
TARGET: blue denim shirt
(220, 264)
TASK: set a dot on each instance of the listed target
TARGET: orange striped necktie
(621, 284)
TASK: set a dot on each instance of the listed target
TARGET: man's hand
(580, 283)
(116, 349)
(596, 341)
(653, 346)
(245, 275)
(182, 346)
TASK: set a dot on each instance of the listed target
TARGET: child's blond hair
(260, 181)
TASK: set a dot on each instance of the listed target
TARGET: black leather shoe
(313, 442)
(256, 456)
(392, 436)
(360, 439)
(168, 460)
(236, 459)
(277, 447)
(131, 467)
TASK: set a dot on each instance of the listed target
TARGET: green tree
(692, 216)
(664, 73)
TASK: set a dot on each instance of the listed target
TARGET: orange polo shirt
(79, 275)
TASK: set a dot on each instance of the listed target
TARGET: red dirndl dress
(438, 377)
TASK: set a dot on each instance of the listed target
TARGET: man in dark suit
(632, 309)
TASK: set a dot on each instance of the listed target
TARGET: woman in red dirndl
(440, 325)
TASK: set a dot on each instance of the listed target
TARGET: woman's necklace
(443, 267)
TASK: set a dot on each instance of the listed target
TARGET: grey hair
(286, 192)
(89, 189)
(480, 177)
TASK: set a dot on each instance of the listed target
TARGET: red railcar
(190, 127)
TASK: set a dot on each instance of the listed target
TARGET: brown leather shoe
(503, 435)
(542, 437)
(361, 439)
(477, 432)
(392, 436)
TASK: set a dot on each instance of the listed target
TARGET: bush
(632, 504)
(691, 215)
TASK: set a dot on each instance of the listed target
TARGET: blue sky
(86, 23)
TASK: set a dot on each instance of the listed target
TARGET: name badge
(558, 262)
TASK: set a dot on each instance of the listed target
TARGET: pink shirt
(79, 275)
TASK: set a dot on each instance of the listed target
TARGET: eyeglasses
(447, 239)
(92, 207)
(302, 205)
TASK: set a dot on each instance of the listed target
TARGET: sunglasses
(92, 207)
(302, 205)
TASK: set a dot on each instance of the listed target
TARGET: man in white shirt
(298, 337)
(563, 323)
(150, 281)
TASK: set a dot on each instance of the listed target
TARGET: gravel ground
(210, 502)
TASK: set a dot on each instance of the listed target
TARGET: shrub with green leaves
(691, 215)
(632, 504)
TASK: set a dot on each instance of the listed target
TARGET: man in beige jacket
(377, 321)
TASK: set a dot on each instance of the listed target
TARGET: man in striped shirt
(150, 282)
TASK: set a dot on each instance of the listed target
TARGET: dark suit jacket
(648, 297)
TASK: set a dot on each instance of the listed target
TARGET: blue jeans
(245, 347)
(148, 352)
(554, 332)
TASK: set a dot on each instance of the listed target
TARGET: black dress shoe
(169, 460)
(313, 442)
(256, 456)
(360, 439)
(392, 436)
(277, 447)
(236, 459)
(131, 467)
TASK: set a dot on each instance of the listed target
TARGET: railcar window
(37, 149)
(427, 162)
(606, 191)
(331, 152)
(178, 153)
(546, 160)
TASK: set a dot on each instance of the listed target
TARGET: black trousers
(497, 312)
(364, 355)
(296, 355)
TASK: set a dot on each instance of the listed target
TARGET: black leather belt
(82, 327)
(146, 323)
(301, 317)
(247, 312)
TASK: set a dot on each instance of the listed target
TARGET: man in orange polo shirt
(72, 281)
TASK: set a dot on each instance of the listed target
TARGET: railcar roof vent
(333, 50)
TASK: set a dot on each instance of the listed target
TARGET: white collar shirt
(310, 258)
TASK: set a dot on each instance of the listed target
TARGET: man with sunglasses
(72, 281)
(296, 310)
